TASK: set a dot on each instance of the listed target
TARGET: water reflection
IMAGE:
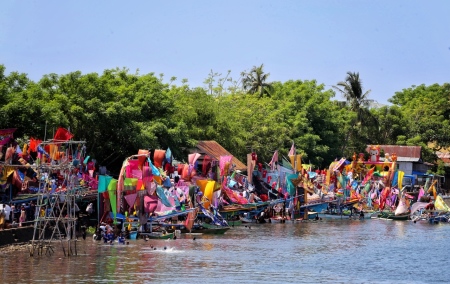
(341, 251)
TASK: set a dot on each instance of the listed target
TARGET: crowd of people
(13, 215)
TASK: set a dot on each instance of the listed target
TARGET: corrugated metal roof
(444, 156)
(407, 159)
(215, 150)
(401, 151)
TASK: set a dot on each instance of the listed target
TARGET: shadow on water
(339, 251)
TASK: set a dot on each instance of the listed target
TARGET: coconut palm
(357, 100)
(255, 81)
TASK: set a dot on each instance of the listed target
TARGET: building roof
(215, 150)
(404, 153)
(444, 156)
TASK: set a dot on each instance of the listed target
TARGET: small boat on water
(277, 219)
(233, 223)
(210, 231)
(203, 228)
(247, 220)
(158, 235)
(391, 216)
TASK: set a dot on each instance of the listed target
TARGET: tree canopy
(118, 112)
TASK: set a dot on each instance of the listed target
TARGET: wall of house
(406, 167)
(419, 167)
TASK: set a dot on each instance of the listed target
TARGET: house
(409, 158)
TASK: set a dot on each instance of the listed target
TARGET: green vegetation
(118, 112)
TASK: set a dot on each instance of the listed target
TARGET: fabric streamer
(150, 203)
(112, 195)
(159, 157)
(206, 165)
(131, 199)
(103, 182)
(132, 165)
(223, 160)
(130, 183)
(162, 196)
(142, 157)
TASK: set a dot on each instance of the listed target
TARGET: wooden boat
(392, 216)
(247, 220)
(233, 223)
(210, 231)
(158, 235)
(277, 219)
(204, 228)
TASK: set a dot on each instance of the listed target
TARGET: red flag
(62, 134)
(34, 143)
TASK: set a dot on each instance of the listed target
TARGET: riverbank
(16, 236)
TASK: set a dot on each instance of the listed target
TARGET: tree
(391, 125)
(426, 110)
(255, 81)
(357, 102)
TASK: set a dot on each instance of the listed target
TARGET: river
(338, 251)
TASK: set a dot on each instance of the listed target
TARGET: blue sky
(392, 44)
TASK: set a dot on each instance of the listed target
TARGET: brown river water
(338, 251)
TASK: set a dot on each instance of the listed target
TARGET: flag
(292, 151)
(62, 134)
(274, 160)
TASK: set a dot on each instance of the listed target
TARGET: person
(8, 214)
(2, 219)
(361, 215)
(90, 208)
(31, 211)
(23, 216)
(83, 232)
(121, 239)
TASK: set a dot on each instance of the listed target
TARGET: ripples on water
(340, 251)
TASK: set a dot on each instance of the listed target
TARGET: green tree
(426, 110)
(391, 125)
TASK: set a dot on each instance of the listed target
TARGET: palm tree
(358, 102)
(255, 81)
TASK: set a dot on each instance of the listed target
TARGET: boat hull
(247, 220)
(157, 235)
(210, 231)
(392, 216)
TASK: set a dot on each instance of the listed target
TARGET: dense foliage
(118, 112)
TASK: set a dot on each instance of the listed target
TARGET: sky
(393, 45)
